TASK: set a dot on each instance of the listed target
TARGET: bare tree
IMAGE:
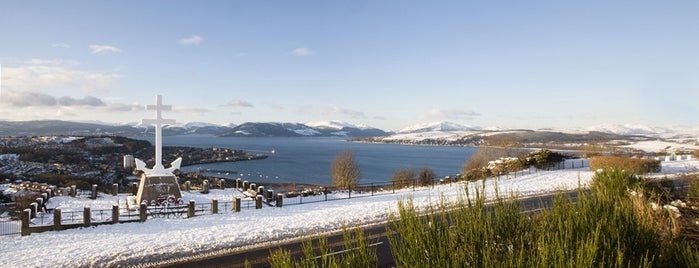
(345, 170)
(427, 176)
(403, 177)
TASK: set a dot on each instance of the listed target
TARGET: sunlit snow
(160, 240)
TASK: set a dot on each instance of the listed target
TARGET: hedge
(632, 165)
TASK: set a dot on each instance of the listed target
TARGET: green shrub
(605, 227)
(632, 165)
(544, 159)
(608, 227)
(693, 191)
(357, 253)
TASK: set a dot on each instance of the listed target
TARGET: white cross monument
(159, 183)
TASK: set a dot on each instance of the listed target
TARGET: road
(376, 235)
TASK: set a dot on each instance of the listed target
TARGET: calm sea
(308, 159)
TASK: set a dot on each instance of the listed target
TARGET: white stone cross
(159, 121)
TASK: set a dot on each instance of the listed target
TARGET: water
(308, 159)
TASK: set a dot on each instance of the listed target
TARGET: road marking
(347, 250)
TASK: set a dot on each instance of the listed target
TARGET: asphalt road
(376, 235)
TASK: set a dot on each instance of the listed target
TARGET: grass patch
(631, 165)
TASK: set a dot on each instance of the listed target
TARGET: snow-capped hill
(321, 129)
(332, 124)
(191, 125)
(631, 129)
(436, 126)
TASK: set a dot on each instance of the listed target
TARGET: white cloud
(24, 99)
(192, 40)
(42, 75)
(301, 52)
(60, 45)
(239, 103)
(102, 49)
(449, 114)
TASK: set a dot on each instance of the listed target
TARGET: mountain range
(334, 128)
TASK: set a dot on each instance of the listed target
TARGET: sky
(385, 64)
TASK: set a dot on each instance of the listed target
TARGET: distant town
(33, 163)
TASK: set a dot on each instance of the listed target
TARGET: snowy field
(159, 241)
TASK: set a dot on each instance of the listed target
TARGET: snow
(660, 146)
(157, 240)
(306, 132)
(435, 126)
(332, 124)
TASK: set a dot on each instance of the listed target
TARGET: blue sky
(387, 64)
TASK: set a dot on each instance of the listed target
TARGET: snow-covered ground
(158, 240)
(661, 146)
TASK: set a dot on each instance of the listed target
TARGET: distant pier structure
(158, 184)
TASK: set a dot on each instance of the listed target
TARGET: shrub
(481, 158)
(476, 174)
(357, 253)
(632, 165)
(693, 191)
(608, 227)
(404, 177)
(545, 159)
(426, 176)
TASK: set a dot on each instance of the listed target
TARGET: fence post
(237, 183)
(73, 190)
(33, 206)
(187, 185)
(26, 217)
(258, 202)
(94, 192)
(142, 212)
(350, 191)
(214, 206)
(57, 217)
(236, 204)
(86, 216)
(206, 187)
(115, 189)
(134, 188)
(280, 198)
(115, 213)
(190, 209)
(372, 189)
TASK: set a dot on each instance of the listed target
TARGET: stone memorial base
(155, 189)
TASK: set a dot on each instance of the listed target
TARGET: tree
(345, 170)
(404, 176)
(474, 168)
(427, 176)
